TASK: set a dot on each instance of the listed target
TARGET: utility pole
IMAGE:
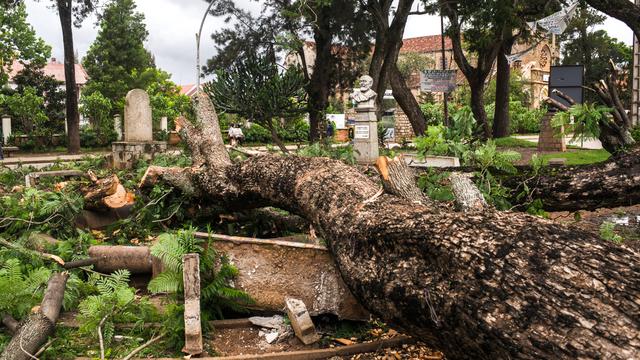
(444, 67)
(198, 35)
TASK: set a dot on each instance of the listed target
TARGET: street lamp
(198, 46)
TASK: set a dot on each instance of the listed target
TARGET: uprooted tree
(476, 285)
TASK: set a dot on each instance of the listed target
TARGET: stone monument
(138, 132)
(365, 136)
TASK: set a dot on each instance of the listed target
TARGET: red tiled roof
(54, 69)
(189, 89)
(425, 44)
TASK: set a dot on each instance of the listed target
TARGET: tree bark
(501, 118)
(71, 102)
(385, 57)
(37, 328)
(407, 101)
(609, 184)
(398, 179)
(481, 285)
(477, 107)
(319, 86)
(468, 196)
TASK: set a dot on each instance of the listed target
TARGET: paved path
(592, 144)
(44, 160)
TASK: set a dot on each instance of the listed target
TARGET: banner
(556, 23)
(438, 80)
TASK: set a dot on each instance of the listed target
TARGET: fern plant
(20, 290)
(113, 302)
(216, 271)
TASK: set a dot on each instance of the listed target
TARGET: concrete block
(301, 321)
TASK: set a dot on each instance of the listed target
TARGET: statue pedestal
(126, 153)
(365, 135)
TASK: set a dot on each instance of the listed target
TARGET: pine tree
(118, 52)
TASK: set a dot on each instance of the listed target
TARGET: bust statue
(364, 97)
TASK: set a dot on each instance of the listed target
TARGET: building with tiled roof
(188, 89)
(55, 69)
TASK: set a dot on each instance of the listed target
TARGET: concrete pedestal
(365, 136)
(126, 153)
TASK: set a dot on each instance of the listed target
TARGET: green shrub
(90, 138)
(523, 119)
(256, 134)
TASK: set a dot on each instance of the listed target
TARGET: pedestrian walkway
(44, 160)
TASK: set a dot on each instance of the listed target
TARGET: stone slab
(138, 125)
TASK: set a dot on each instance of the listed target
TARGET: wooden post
(192, 327)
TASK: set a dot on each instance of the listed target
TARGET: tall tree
(68, 10)
(47, 87)
(623, 10)
(340, 33)
(118, 52)
(582, 44)
(384, 60)
(18, 40)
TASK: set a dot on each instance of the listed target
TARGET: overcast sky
(172, 25)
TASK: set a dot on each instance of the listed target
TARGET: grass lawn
(511, 142)
(580, 157)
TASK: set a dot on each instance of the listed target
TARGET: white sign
(337, 119)
(361, 132)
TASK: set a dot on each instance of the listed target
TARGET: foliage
(113, 302)
(635, 133)
(487, 158)
(117, 52)
(583, 120)
(165, 97)
(583, 44)
(18, 40)
(254, 89)
(27, 109)
(433, 113)
(46, 211)
(607, 232)
(523, 119)
(293, 131)
(436, 185)
(413, 63)
(342, 153)
(217, 293)
(21, 289)
(98, 109)
(48, 88)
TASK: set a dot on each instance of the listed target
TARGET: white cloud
(172, 25)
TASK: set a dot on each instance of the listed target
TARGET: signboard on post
(438, 81)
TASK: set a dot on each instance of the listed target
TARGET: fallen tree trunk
(492, 284)
(482, 285)
(36, 329)
(613, 183)
(106, 194)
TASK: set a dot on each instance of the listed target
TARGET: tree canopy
(118, 51)
(18, 40)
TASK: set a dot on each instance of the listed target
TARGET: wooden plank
(192, 327)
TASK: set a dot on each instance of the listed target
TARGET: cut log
(107, 193)
(400, 180)
(36, 329)
(468, 196)
(192, 327)
(136, 259)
